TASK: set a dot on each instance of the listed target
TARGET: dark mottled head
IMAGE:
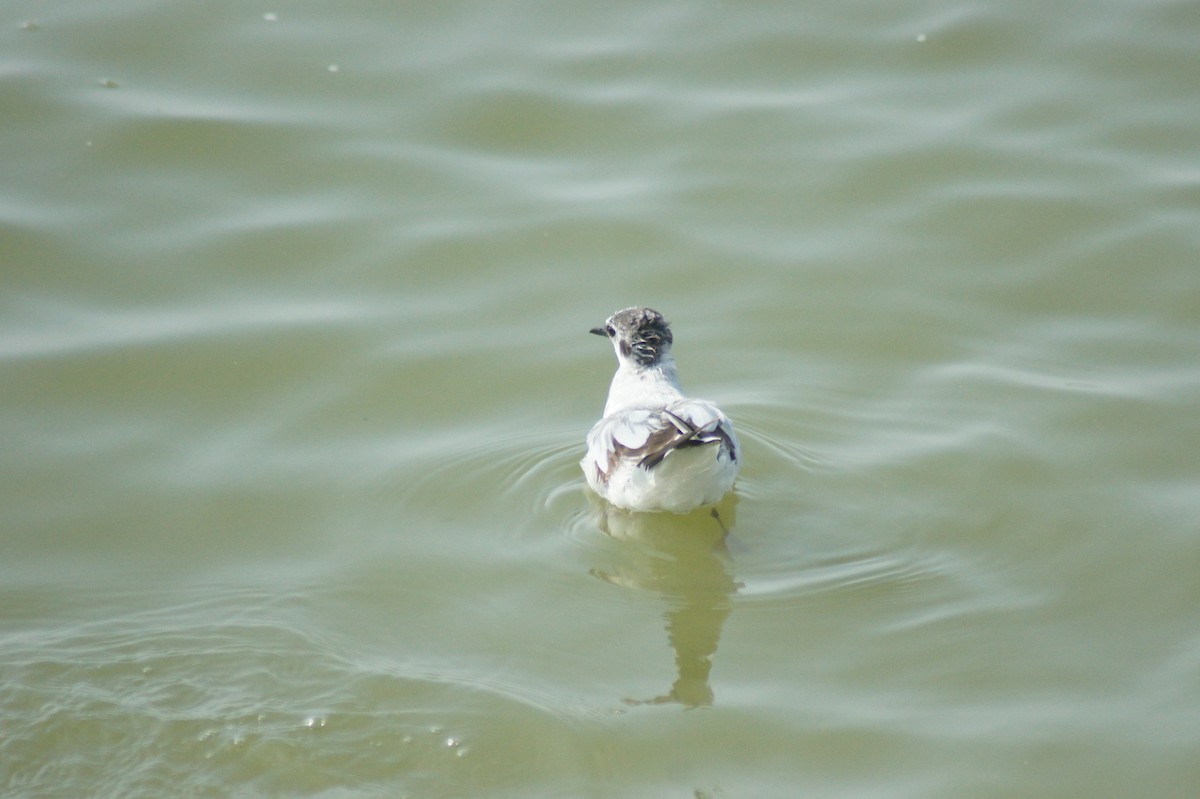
(640, 335)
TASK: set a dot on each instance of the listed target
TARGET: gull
(656, 449)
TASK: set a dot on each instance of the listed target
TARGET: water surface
(295, 375)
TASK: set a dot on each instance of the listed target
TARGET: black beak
(599, 331)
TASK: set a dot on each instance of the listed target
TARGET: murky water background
(295, 374)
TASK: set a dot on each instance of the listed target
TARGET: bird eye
(611, 332)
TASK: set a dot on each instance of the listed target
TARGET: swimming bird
(656, 449)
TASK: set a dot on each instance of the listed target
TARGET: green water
(295, 376)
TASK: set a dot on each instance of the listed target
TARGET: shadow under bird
(656, 449)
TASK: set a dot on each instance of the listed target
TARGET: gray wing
(688, 423)
(648, 436)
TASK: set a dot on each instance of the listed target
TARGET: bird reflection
(685, 559)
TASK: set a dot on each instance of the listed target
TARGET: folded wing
(648, 436)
